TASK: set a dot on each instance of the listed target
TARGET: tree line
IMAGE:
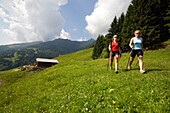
(151, 17)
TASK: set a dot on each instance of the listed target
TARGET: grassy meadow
(80, 84)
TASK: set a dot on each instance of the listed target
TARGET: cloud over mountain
(32, 20)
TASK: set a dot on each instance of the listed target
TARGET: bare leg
(111, 60)
(140, 58)
(116, 62)
(131, 60)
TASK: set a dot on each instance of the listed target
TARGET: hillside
(23, 54)
(80, 84)
(17, 46)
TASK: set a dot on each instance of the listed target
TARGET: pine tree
(120, 23)
(113, 28)
(98, 47)
(167, 19)
(164, 6)
(120, 26)
(127, 32)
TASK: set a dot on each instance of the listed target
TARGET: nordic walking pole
(127, 63)
(109, 56)
(108, 63)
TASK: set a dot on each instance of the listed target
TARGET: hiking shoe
(116, 72)
(142, 71)
(129, 68)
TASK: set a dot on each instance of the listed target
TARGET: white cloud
(104, 12)
(81, 39)
(18, 31)
(32, 20)
(64, 35)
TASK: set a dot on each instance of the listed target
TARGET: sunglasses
(137, 33)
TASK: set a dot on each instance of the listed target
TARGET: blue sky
(74, 14)
(45, 20)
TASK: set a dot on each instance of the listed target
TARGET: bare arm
(130, 44)
(109, 47)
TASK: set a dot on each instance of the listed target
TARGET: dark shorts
(134, 52)
(114, 53)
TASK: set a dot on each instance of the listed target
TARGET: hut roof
(46, 60)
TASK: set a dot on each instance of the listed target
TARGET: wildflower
(85, 103)
(111, 90)
(10, 96)
(1, 92)
(114, 102)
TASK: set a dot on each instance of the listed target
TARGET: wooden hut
(42, 62)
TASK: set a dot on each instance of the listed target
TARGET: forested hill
(17, 46)
(22, 54)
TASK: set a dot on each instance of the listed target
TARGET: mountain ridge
(17, 46)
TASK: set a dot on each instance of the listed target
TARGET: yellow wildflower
(10, 96)
(1, 92)
(111, 90)
(114, 102)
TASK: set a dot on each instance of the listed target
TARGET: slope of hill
(80, 84)
(24, 54)
(17, 46)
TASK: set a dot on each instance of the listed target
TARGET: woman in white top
(136, 43)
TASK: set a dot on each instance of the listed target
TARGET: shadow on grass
(147, 70)
(131, 69)
(150, 70)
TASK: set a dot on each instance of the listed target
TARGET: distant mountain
(23, 54)
(17, 46)
(64, 46)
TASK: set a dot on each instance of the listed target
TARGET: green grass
(80, 84)
(167, 42)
